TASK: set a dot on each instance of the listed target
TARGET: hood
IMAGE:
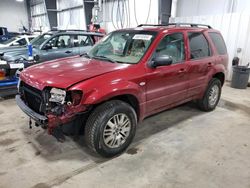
(14, 54)
(11, 48)
(66, 72)
(9, 53)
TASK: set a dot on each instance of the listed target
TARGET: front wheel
(110, 128)
(211, 96)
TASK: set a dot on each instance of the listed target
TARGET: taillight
(76, 97)
(2, 74)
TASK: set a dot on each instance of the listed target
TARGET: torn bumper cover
(51, 121)
(40, 119)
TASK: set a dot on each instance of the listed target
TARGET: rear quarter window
(218, 43)
(199, 47)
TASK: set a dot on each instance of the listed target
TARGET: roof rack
(65, 30)
(54, 31)
(178, 25)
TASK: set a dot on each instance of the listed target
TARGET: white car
(21, 40)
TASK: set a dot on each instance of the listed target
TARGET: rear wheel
(211, 96)
(110, 128)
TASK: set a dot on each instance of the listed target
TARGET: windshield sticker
(142, 37)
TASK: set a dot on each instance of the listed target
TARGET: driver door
(60, 47)
(167, 85)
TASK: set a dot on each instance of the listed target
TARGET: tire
(207, 103)
(102, 120)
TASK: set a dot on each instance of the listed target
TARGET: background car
(6, 35)
(49, 46)
(20, 40)
(55, 45)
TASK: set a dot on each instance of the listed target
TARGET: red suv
(129, 75)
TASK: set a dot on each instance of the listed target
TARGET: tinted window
(40, 39)
(82, 40)
(1, 31)
(172, 45)
(199, 47)
(219, 43)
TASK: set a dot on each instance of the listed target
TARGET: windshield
(10, 40)
(123, 46)
(40, 39)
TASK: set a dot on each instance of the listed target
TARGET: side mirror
(162, 60)
(47, 47)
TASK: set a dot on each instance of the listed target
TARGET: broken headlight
(57, 95)
(76, 97)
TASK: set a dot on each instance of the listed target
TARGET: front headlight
(57, 95)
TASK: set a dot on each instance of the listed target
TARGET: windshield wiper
(101, 57)
(85, 54)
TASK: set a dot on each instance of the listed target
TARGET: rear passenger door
(200, 61)
(81, 44)
(220, 47)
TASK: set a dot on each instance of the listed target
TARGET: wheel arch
(131, 100)
(220, 76)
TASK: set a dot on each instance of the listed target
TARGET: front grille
(32, 97)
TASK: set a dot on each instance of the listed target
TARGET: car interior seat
(61, 44)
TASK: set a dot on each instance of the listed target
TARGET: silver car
(50, 46)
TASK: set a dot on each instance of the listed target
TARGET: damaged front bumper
(38, 118)
(51, 121)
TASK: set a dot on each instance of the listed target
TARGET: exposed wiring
(149, 8)
(128, 13)
(118, 14)
(135, 13)
(112, 14)
(123, 19)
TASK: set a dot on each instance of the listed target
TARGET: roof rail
(141, 25)
(178, 25)
(65, 30)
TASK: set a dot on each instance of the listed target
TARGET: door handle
(68, 52)
(209, 64)
(182, 71)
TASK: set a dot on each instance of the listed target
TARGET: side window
(96, 38)
(63, 41)
(59, 42)
(82, 40)
(1, 31)
(22, 42)
(52, 42)
(199, 47)
(172, 45)
(219, 43)
(30, 38)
